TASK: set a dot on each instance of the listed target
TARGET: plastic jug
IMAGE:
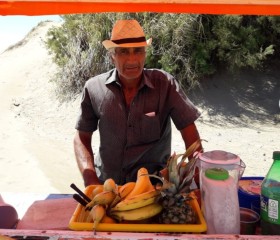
(221, 159)
(220, 172)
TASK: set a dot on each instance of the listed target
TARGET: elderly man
(132, 108)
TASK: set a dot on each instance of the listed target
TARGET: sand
(240, 114)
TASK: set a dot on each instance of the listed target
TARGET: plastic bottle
(220, 204)
(270, 199)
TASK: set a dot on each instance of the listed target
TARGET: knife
(79, 199)
(82, 195)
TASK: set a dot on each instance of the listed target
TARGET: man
(132, 107)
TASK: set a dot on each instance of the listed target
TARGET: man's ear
(112, 58)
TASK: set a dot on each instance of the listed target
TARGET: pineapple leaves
(173, 171)
(165, 183)
(178, 174)
(187, 174)
(191, 150)
(186, 170)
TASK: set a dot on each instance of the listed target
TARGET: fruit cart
(58, 216)
(49, 217)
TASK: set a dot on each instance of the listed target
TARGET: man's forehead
(127, 48)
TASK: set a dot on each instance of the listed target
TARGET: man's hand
(90, 177)
(190, 135)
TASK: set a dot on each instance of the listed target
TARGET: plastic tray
(200, 227)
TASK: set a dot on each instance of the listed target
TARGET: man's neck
(131, 84)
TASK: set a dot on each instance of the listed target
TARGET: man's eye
(123, 51)
(139, 50)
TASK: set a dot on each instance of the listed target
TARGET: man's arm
(84, 157)
(190, 135)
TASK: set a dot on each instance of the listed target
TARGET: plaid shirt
(139, 136)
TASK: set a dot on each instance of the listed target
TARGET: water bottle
(270, 199)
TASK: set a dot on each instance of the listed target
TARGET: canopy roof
(53, 7)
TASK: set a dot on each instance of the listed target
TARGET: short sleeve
(183, 111)
(87, 120)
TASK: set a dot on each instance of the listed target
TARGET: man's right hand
(90, 177)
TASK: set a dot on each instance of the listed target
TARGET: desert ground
(239, 113)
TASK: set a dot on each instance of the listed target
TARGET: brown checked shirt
(139, 136)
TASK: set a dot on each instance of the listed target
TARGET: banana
(143, 183)
(103, 198)
(96, 190)
(138, 213)
(123, 191)
(107, 219)
(83, 215)
(97, 213)
(110, 185)
(116, 200)
(137, 201)
(126, 189)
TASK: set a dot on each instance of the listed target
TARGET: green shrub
(241, 41)
(188, 46)
(77, 50)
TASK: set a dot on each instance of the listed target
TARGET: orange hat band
(129, 40)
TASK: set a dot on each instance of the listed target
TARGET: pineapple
(177, 210)
(177, 178)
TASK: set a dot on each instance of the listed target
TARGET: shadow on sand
(240, 99)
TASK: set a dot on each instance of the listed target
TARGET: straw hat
(127, 33)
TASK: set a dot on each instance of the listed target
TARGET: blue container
(249, 200)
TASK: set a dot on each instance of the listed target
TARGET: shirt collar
(147, 81)
(114, 78)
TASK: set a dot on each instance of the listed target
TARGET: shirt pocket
(149, 128)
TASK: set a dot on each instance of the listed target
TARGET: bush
(77, 50)
(188, 46)
(241, 42)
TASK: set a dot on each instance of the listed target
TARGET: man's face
(129, 62)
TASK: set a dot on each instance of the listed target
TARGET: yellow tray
(74, 223)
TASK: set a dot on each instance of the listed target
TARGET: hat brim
(109, 44)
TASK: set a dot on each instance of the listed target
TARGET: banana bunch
(137, 201)
(102, 196)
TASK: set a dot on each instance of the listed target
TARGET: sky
(15, 28)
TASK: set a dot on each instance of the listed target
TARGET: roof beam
(54, 7)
